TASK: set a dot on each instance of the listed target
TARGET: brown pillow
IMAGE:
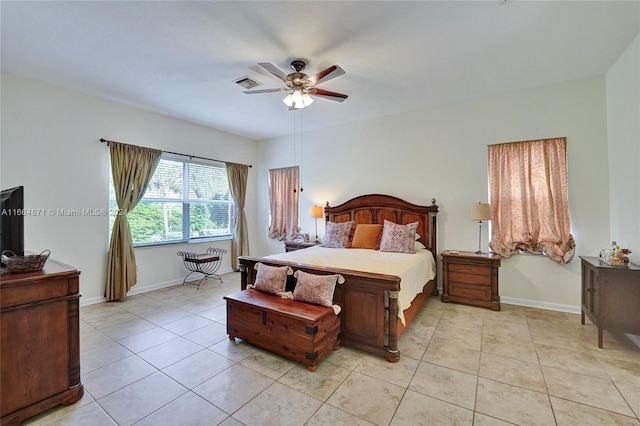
(367, 236)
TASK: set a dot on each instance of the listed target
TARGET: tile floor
(163, 358)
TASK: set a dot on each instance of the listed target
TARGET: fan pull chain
(301, 152)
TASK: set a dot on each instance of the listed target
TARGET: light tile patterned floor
(163, 358)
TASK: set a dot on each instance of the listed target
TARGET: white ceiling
(181, 58)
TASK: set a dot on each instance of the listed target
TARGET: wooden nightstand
(296, 245)
(471, 278)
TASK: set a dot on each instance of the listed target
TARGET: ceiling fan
(300, 86)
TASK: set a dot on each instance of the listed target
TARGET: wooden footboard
(369, 303)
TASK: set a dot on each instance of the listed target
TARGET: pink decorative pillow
(271, 279)
(316, 289)
(398, 238)
(338, 235)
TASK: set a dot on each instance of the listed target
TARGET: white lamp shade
(315, 212)
(481, 211)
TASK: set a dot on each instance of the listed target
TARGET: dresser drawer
(476, 292)
(484, 280)
(470, 269)
(37, 291)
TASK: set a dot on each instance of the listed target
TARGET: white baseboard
(94, 300)
(140, 290)
(540, 305)
(536, 304)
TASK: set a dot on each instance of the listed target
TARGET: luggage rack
(206, 264)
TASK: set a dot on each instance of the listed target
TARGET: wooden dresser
(40, 348)
(610, 296)
(471, 278)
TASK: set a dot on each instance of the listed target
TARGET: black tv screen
(12, 220)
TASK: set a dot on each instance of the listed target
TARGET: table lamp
(316, 212)
(480, 212)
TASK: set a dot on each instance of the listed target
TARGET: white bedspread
(414, 270)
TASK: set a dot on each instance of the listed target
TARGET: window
(185, 201)
(529, 199)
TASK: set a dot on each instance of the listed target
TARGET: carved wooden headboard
(375, 208)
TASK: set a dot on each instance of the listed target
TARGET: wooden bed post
(433, 241)
(394, 353)
(243, 276)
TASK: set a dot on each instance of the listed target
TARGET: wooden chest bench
(296, 330)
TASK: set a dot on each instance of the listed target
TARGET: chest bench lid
(286, 307)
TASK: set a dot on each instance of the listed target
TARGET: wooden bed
(369, 300)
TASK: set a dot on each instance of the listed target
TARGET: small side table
(471, 278)
(610, 296)
(297, 245)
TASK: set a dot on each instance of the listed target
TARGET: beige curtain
(284, 195)
(528, 196)
(132, 168)
(237, 175)
(529, 202)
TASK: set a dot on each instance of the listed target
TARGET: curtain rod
(107, 141)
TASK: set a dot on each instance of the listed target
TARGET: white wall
(50, 146)
(442, 153)
(623, 120)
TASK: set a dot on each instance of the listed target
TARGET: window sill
(174, 243)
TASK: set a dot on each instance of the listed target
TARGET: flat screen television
(12, 220)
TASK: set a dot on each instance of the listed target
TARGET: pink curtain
(284, 195)
(528, 196)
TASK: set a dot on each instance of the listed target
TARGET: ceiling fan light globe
(288, 101)
(306, 99)
(296, 97)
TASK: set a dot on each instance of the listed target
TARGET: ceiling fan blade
(273, 70)
(249, 92)
(326, 75)
(259, 70)
(332, 96)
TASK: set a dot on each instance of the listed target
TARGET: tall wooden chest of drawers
(40, 347)
(471, 278)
